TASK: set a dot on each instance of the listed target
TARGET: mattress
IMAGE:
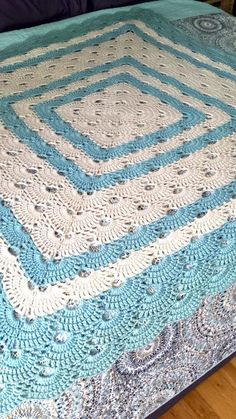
(118, 210)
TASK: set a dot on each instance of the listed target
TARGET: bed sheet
(216, 29)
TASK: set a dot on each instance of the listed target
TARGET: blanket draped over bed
(117, 212)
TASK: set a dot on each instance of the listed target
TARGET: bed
(117, 210)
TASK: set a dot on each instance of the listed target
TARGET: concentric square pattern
(117, 210)
(118, 114)
(93, 130)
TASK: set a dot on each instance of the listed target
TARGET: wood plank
(233, 361)
(179, 411)
(229, 372)
(200, 407)
(218, 392)
(194, 404)
(215, 398)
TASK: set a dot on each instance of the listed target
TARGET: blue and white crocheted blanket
(118, 195)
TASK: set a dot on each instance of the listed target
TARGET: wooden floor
(215, 398)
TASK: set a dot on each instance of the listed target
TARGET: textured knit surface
(140, 382)
(118, 195)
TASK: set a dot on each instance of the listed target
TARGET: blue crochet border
(153, 21)
(135, 317)
(43, 272)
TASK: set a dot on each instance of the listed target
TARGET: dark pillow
(104, 4)
(16, 14)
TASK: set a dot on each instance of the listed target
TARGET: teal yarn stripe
(43, 272)
(163, 27)
(138, 316)
(46, 112)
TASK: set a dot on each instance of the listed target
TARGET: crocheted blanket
(118, 195)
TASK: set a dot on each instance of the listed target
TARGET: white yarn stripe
(77, 219)
(120, 114)
(36, 52)
(23, 108)
(141, 25)
(33, 303)
(62, 222)
(42, 74)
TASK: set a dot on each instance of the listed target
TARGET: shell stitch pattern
(115, 225)
(209, 331)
